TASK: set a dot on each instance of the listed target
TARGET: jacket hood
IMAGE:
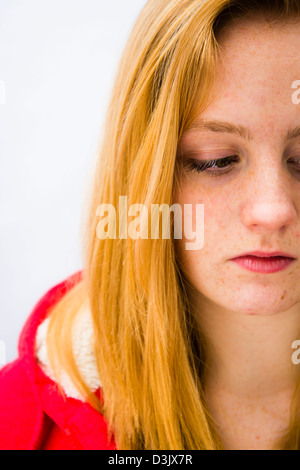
(30, 401)
(83, 350)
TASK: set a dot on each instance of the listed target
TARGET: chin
(262, 306)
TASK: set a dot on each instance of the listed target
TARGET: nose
(268, 204)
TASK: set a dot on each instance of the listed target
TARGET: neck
(250, 356)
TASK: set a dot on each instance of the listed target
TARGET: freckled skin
(249, 319)
(256, 206)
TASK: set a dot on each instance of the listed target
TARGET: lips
(264, 254)
(262, 262)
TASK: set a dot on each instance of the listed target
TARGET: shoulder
(33, 414)
(23, 423)
(21, 416)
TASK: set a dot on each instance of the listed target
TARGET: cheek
(192, 220)
(216, 235)
(219, 218)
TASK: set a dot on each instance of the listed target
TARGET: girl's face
(251, 196)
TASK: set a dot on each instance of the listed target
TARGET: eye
(295, 163)
(223, 165)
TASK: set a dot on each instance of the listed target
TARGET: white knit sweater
(83, 353)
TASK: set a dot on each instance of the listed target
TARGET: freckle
(283, 295)
(257, 438)
(250, 312)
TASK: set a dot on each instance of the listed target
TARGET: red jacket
(33, 413)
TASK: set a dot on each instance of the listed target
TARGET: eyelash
(200, 166)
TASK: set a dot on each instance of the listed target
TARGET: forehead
(253, 82)
(254, 48)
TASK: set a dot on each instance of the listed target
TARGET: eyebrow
(229, 128)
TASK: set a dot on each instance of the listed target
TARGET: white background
(58, 60)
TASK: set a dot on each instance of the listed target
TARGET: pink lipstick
(265, 263)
